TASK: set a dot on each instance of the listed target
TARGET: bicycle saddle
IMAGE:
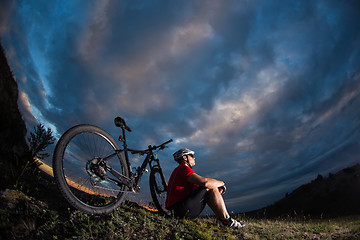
(120, 122)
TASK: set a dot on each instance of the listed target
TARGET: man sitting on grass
(188, 192)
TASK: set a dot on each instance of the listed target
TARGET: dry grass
(28, 218)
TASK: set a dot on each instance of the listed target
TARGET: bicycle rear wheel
(81, 173)
(158, 189)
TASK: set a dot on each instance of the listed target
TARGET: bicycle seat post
(124, 138)
(125, 147)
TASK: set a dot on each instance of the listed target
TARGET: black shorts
(192, 205)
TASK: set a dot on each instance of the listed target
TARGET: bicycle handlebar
(162, 146)
(146, 151)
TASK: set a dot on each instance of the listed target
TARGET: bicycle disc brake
(96, 168)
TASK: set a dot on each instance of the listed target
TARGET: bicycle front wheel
(80, 170)
(158, 189)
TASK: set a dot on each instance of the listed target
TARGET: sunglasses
(191, 155)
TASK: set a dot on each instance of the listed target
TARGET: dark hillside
(14, 151)
(336, 195)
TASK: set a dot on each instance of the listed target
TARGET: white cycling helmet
(182, 152)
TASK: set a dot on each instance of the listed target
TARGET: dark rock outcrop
(14, 152)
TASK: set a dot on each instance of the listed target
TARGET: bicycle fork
(156, 167)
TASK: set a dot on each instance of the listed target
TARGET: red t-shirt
(178, 187)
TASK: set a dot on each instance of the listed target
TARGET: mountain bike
(94, 174)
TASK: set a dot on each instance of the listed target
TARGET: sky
(265, 92)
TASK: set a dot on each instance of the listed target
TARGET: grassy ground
(339, 228)
(23, 217)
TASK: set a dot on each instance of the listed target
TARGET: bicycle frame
(133, 182)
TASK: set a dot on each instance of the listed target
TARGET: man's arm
(209, 183)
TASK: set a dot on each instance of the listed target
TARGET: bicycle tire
(84, 190)
(158, 189)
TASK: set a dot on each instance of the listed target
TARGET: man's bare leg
(217, 204)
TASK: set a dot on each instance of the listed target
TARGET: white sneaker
(232, 223)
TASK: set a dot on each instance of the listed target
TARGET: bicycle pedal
(145, 171)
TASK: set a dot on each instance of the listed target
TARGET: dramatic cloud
(265, 92)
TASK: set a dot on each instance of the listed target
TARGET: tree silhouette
(39, 140)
